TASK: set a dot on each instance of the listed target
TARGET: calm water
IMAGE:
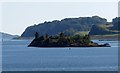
(18, 57)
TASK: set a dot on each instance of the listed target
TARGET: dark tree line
(61, 40)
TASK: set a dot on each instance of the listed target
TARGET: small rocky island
(63, 40)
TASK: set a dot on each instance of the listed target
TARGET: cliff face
(68, 26)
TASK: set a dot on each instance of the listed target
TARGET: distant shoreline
(105, 37)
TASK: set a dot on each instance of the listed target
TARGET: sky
(17, 16)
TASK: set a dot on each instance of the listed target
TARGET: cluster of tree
(61, 40)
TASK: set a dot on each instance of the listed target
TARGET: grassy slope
(82, 33)
(102, 37)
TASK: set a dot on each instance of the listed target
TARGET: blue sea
(16, 56)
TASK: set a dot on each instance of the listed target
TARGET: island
(63, 40)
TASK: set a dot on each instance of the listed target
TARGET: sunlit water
(18, 57)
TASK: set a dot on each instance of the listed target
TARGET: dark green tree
(86, 40)
(41, 38)
(46, 36)
(62, 34)
(36, 35)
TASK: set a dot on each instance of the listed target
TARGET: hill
(69, 26)
(5, 36)
(116, 24)
(106, 29)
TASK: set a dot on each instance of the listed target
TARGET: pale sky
(16, 16)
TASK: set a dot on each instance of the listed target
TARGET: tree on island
(62, 35)
(36, 35)
(47, 40)
(63, 41)
(46, 36)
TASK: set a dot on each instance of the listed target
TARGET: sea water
(16, 56)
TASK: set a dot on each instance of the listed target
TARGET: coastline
(105, 37)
